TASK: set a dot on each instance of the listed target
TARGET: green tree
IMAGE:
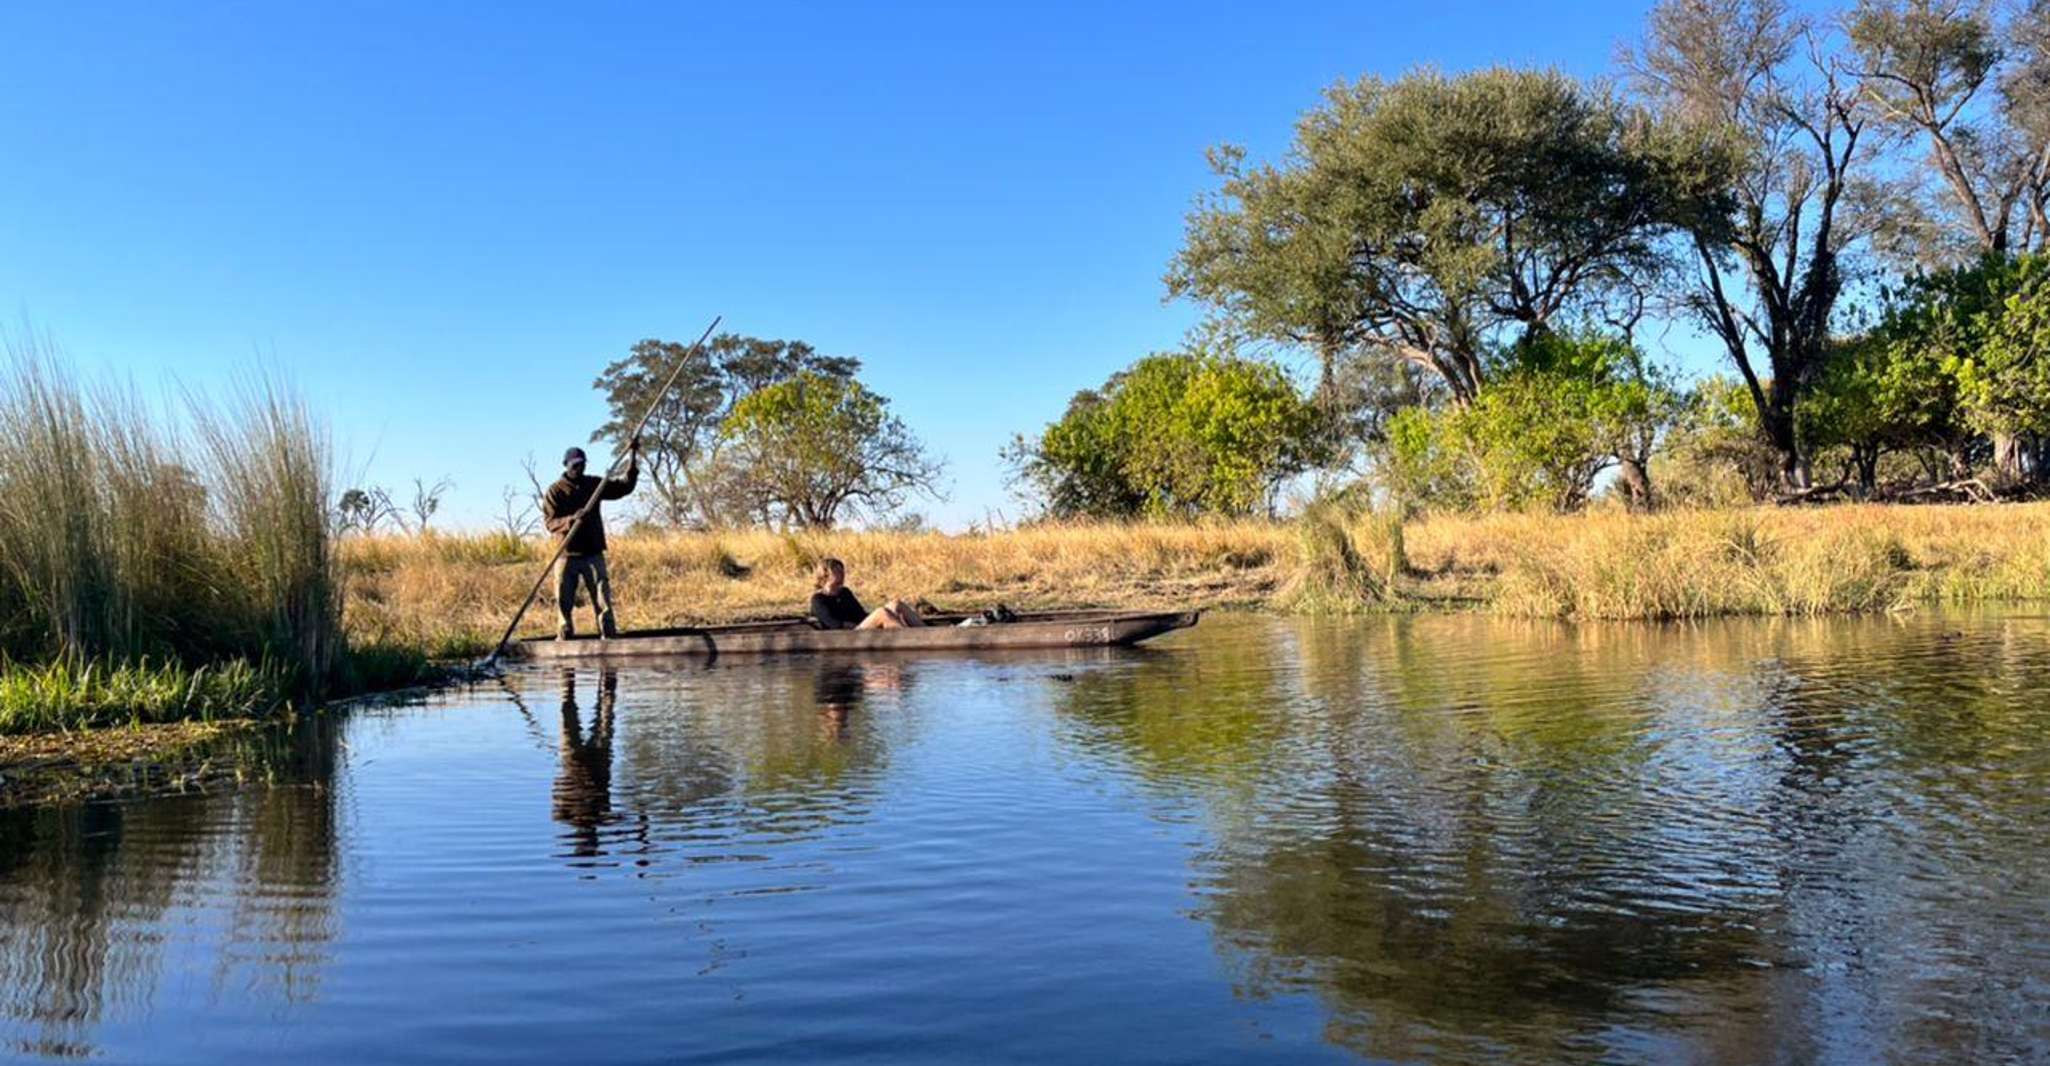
(1976, 91)
(1428, 219)
(810, 449)
(1847, 409)
(1896, 387)
(2004, 384)
(1174, 435)
(1715, 454)
(1753, 76)
(1558, 413)
(694, 483)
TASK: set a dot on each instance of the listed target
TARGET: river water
(1447, 839)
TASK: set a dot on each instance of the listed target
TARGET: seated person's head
(830, 576)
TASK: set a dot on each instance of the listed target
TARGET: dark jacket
(838, 611)
(559, 505)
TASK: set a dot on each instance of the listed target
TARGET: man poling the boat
(566, 587)
(582, 536)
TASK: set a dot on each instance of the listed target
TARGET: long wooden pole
(591, 504)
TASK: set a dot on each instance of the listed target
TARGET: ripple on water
(1447, 839)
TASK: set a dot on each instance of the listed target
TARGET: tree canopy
(681, 446)
(1427, 218)
(814, 448)
(1174, 435)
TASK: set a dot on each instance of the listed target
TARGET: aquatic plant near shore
(132, 551)
(73, 694)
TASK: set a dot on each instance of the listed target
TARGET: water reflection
(87, 890)
(1475, 839)
(1442, 839)
(583, 786)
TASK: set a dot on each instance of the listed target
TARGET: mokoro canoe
(1053, 629)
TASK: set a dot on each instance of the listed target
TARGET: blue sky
(442, 220)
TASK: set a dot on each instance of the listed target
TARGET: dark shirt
(559, 505)
(838, 611)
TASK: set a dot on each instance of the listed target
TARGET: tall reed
(271, 466)
(123, 539)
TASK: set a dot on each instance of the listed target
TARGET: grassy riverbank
(163, 570)
(450, 594)
(403, 600)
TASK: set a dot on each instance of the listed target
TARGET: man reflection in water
(583, 787)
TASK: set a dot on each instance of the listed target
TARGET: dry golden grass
(1801, 561)
(452, 594)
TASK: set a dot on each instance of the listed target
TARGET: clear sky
(442, 220)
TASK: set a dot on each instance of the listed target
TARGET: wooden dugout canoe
(1052, 629)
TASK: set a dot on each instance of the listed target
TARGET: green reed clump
(80, 694)
(272, 483)
(125, 542)
(375, 666)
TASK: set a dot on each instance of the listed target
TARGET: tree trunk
(1778, 423)
(1636, 482)
(1960, 461)
(2010, 459)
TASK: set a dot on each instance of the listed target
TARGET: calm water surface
(1431, 839)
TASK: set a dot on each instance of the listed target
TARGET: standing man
(584, 557)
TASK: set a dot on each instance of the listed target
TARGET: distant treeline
(1850, 208)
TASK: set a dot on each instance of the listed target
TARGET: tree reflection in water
(1475, 839)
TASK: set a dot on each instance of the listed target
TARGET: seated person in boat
(833, 606)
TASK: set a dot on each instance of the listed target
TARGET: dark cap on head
(574, 455)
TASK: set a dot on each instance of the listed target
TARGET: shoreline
(449, 594)
(446, 596)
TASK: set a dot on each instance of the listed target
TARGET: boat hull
(1070, 629)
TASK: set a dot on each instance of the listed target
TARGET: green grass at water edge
(72, 694)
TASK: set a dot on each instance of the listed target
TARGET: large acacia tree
(1434, 219)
